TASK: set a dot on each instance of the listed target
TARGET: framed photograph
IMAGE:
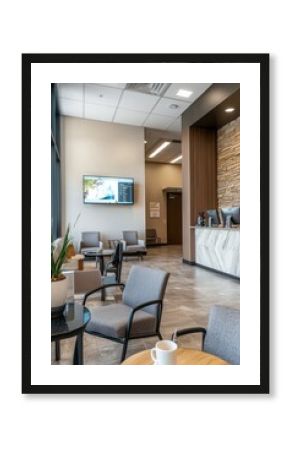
(189, 292)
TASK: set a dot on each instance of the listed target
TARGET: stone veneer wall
(228, 164)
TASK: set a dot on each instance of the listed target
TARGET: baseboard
(228, 275)
(186, 261)
(156, 245)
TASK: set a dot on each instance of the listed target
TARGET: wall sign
(154, 208)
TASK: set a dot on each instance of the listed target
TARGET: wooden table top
(185, 356)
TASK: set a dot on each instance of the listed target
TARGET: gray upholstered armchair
(139, 313)
(222, 336)
(131, 241)
(90, 241)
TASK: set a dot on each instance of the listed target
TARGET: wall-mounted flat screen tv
(108, 190)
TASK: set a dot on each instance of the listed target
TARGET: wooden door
(174, 218)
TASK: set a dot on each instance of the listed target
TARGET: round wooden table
(185, 356)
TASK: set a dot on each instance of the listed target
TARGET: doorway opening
(174, 218)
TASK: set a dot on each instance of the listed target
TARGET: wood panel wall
(203, 164)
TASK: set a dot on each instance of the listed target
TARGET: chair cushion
(87, 280)
(135, 248)
(90, 249)
(110, 279)
(112, 321)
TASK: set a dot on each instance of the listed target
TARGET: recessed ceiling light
(145, 142)
(229, 110)
(159, 149)
(184, 93)
(176, 159)
(173, 106)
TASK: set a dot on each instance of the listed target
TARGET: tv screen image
(108, 190)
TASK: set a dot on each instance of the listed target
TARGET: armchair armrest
(143, 305)
(184, 331)
(141, 242)
(104, 286)
(124, 243)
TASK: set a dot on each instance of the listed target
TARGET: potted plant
(59, 283)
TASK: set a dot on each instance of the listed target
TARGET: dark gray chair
(151, 237)
(90, 241)
(115, 265)
(139, 313)
(222, 335)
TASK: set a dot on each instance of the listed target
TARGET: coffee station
(217, 241)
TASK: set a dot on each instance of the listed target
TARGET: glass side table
(71, 323)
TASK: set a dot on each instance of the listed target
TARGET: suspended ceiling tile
(170, 107)
(138, 101)
(175, 126)
(99, 112)
(115, 85)
(158, 121)
(72, 91)
(130, 117)
(102, 95)
(70, 107)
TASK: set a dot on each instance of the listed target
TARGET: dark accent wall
(210, 99)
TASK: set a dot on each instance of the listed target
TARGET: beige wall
(99, 148)
(158, 177)
(228, 164)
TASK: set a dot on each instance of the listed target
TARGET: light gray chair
(139, 313)
(222, 335)
(131, 241)
(90, 241)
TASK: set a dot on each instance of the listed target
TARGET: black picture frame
(263, 61)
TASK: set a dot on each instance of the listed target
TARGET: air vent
(148, 88)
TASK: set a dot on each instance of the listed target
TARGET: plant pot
(59, 288)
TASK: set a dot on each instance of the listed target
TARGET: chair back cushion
(86, 280)
(145, 285)
(131, 237)
(90, 238)
(223, 333)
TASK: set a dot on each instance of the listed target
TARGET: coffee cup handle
(153, 354)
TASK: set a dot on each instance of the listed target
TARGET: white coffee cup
(164, 353)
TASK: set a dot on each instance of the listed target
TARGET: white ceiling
(115, 103)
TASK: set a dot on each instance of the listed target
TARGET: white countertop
(215, 228)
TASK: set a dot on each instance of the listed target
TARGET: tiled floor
(191, 291)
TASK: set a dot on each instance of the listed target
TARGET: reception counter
(218, 249)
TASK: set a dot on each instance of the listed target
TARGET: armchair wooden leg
(160, 336)
(125, 346)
